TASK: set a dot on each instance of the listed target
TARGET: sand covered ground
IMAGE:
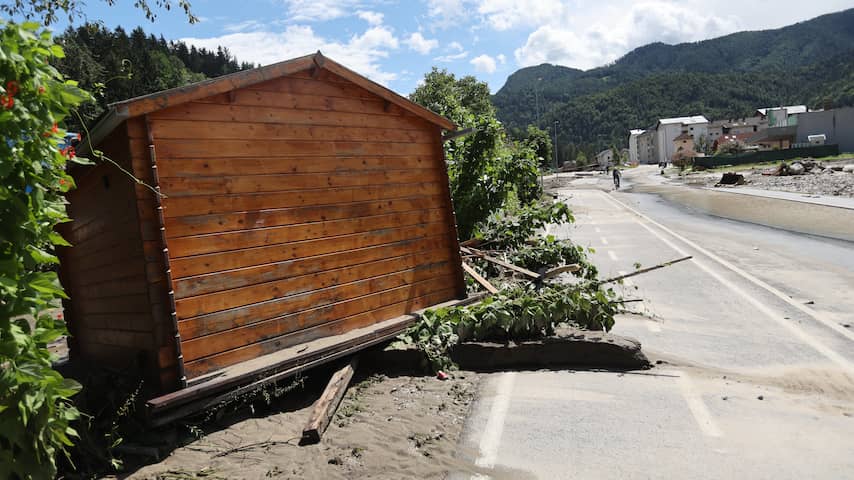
(386, 427)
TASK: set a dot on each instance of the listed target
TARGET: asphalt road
(755, 337)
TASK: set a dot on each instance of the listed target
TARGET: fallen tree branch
(252, 446)
(479, 279)
(499, 262)
(572, 267)
(645, 270)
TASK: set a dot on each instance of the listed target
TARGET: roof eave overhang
(134, 107)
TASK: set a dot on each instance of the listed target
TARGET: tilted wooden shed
(304, 212)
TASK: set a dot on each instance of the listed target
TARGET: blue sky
(396, 42)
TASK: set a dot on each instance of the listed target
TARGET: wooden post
(325, 406)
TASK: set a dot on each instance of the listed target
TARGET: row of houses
(767, 129)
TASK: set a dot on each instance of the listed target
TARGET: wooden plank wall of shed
(104, 271)
(297, 208)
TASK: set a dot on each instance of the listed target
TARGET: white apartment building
(634, 151)
(667, 129)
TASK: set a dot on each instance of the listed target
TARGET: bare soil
(386, 427)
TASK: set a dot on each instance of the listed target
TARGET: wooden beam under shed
(325, 406)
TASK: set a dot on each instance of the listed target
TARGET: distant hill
(722, 77)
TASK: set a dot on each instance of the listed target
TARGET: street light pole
(556, 149)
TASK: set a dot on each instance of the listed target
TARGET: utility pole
(556, 149)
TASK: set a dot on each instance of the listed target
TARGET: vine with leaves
(36, 413)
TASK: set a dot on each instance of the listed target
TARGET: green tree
(485, 168)
(540, 142)
(49, 11)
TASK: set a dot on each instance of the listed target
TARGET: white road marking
(698, 408)
(597, 229)
(829, 353)
(612, 255)
(782, 296)
(491, 438)
(653, 326)
(604, 240)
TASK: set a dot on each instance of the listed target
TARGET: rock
(796, 169)
(848, 168)
(760, 397)
(827, 171)
(816, 170)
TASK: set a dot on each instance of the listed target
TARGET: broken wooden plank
(479, 279)
(648, 269)
(500, 262)
(327, 404)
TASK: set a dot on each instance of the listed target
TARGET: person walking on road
(616, 178)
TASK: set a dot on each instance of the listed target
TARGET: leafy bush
(515, 230)
(519, 313)
(35, 411)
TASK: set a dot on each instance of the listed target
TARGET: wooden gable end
(299, 208)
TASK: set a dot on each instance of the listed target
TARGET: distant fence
(766, 156)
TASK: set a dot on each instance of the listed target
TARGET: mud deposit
(398, 427)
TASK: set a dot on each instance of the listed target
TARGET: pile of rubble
(808, 166)
(806, 176)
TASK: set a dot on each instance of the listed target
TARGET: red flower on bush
(12, 88)
(41, 90)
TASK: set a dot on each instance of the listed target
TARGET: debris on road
(645, 270)
(731, 178)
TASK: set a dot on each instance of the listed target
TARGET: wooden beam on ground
(325, 406)
(648, 269)
(500, 262)
(476, 276)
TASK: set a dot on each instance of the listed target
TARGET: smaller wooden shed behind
(300, 201)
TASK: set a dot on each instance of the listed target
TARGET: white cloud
(452, 57)
(594, 40)
(483, 63)
(507, 14)
(373, 18)
(447, 13)
(501, 58)
(456, 46)
(361, 53)
(243, 26)
(417, 42)
(319, 10)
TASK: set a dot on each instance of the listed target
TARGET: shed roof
(134, 107)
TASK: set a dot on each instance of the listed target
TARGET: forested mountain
(116, 66)
(809, 62)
